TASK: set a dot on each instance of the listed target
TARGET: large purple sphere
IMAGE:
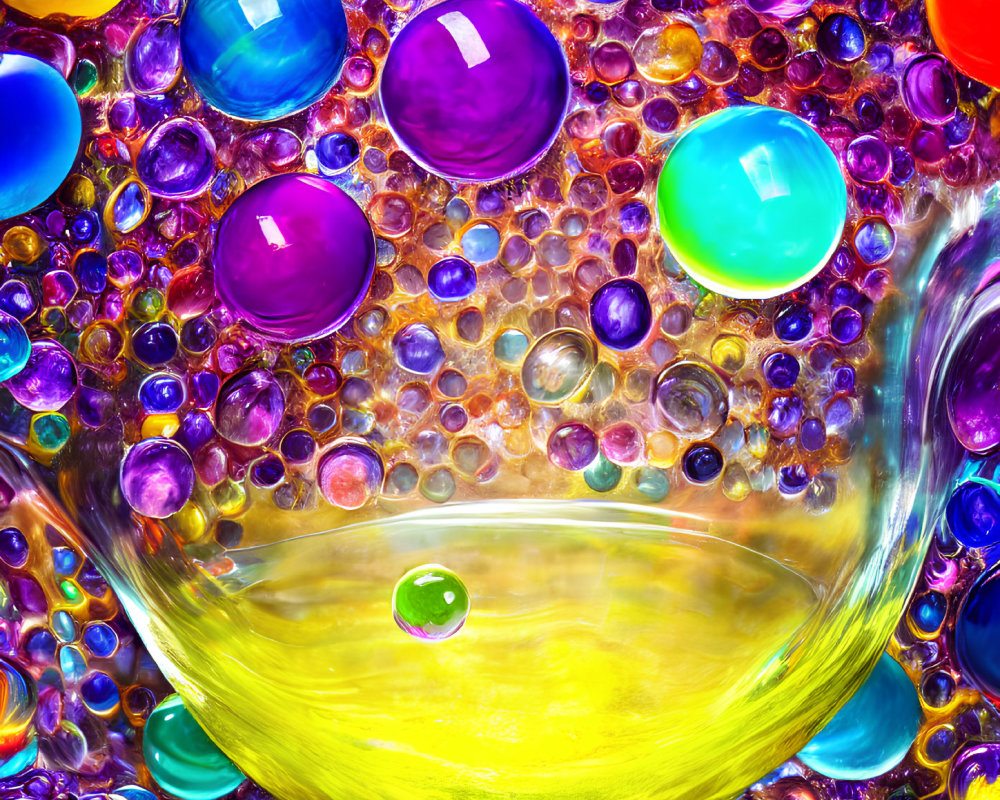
(475, 89)
(294, 257)
(972, 386)
(157, 477)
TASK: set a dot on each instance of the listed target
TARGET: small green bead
(602, 475)
(430, 602)
(70, 591)
(148, 305)
(84, 77)
(181, 757)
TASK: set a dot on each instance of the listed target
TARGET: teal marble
(181, 757)
(263, 59)
(872, 732)
(752, 202)
(39, 134)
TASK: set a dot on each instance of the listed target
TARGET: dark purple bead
(782, 9)
(267, 472)
(634, 218)
(451, 279)
(719, 64)
(846, 325)
(702, 463)
(784, 415)
(625, 176)
(742, 23)
(972, 383)
(814, 108)
(881, 58)
(490, 201)
(841, 38)
(94, 407)
(157, 477)
(475, 89)
(781, 370)
(929, 89)
(660, 115)
(204, 388)
(197, 335)
(769, 48)
(843, 378)
(690, 90)
(533, 222)
(793, 322)
(903, 166)
(154, 343)
(123, 117)
(960, 129)
(620, 314)
(596, 92)
(418, 349)
(876, 11)
(792, 479)
(929, 145)
(869, 159)
(749, 82)
(13, 547)
(453, 418)
(16, 299)
(48, 380)
(572, 446)
(812, 435)
(624, 257)
(298, 446)
(805, 69)
(336, 151)
(177, 160)
(195, 430)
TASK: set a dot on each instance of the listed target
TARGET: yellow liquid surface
(611, 651)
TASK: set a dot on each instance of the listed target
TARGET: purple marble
(475, 89)
(294, 257)
(250, 408)
(930, 90)
(572, 446)
(153, 58)
(972, 386)
(157, 477)
(869, 159)
(177, 160)
(48, 380)
(620, 314)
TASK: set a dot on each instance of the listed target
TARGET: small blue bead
(65, 560)
(16, 299)
(162, 394)
(84, 227)
(267, 472)
(928, 611)
(702, 463)
(92, 271)
(481, 243)
(41, 646)
(973, 515)
(99, 693)
(792, 479)
(451, 279)
(841, 38)
(100, 639)
(977, 633)
(335, 152)
(154, 343)
(793, 322)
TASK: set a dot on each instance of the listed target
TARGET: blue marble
(872, 732)
(261, 59)
(40, 134)
(977, 633)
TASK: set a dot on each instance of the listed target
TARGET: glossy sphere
(692, 399)
(350, 475)
(475, 89)
(48, 379)
(973, 514)
(430, 602)
(972, 385)
(752, 202)
(71, 8)
(263, 60)
(157, 477)
(181, 757)
(15, 346)
(294, 257)
(965, 31)
(977, 633)
(558, 366)
(40, 134)
(620, 314)
(250, 407)
(872, 732)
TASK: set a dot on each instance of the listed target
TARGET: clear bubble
(558, 366)
(692, 400)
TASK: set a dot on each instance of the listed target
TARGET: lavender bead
(418, 349)
(153, 57)
(475, 89)
(177, 160)
(48, 380)
(294, 257)
(157, 477)
(930, 90)
(250, 408)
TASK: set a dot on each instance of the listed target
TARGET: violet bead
(267, 472)
(869, 159)
(812, 435)
(475, 89)
(930, 90)
(781, 370)
(719, 64)
(769, 48)
(660, 115)
(792, 479)
(572, 446)
(620, 314)
(48, 380)
(793, 322)
(869, 112)
(784, 415)
(418, 349)
(451, 279)
(13, 547)
(153, 57)
(781, 9)
(841, 38)
(294, 257)
(177, 160)
(250, 408)
(298, 446)
(972, 384)
(846, 325)
(157, 477)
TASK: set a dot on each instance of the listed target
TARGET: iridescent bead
(874, 240)
(40, 136)
(350, 475)
(263, 61)
(182, 759)
(620, 314)
(975, 770)
(692, 399)
(781, 9)
(451, 279)
(782, 190)
(418, 349)
(294, 257)
(572, 446)
(475, 89)
(15, 347)
(157, 477)
(48, 379)
(873, 732)
(430, 602)
(177, 159)
(250, 408)
(929, 89)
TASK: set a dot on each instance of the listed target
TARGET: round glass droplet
(558, 366)
(430, 602)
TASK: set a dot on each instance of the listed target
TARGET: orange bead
(965, 31)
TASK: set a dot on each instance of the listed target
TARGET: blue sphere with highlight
(263, 59)
(40, 134)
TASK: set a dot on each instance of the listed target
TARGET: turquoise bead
(752, 202)
(260, 59)
(181, 757)
(873, 732)
(15, 346)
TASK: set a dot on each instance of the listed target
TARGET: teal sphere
(874, 730)
(263, 60)
(15, 346)
(39, 133)
(752, 202)
(181, 757)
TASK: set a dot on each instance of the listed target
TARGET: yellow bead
(729, 352)
(22, 244)
(71, 8)
(189, 523)
(165, 425)
(662, 449)
(669, 55)
(229, 497)
(736, 482)
(78, 191)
